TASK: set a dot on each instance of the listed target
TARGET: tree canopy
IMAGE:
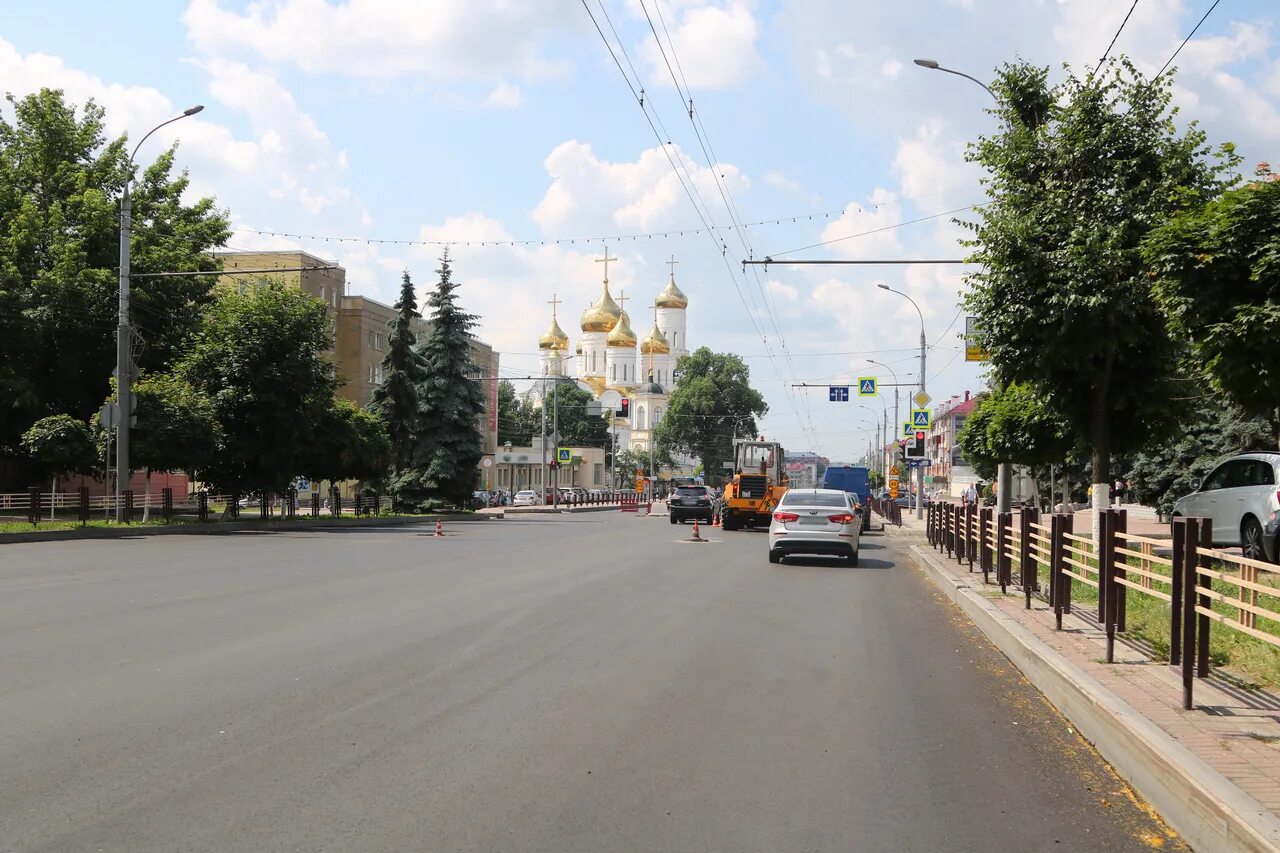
(60, 445)
(403, 369)
(60, 181)
(712, 402)
(1013, 424)
(262, 358)
(1217, 277)
(1079, 174)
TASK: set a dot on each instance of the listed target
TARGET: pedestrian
(971, 494)
(1118, 489)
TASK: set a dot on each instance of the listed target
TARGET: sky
(398, 126)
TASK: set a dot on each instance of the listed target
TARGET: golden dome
(554, 337)
(602, 316)
(655, 342)
(596, 383)
(623, 390)
(672, 297)
(621, 336)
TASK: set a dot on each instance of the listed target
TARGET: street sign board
(895, 471)
(838, 393)
(907, 428)
(487, 462)
(564, 455)
(893, 488)
(866, 386)
(110, 415)
(920, 418)
(917, 463)
(974, 351)
(921, 399)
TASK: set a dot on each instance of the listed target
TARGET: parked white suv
(1242, 497)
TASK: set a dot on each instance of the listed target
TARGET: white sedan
(815, 521)
(527, 497)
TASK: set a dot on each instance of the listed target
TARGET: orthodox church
(613, 364)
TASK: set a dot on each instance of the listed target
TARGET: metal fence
(36, 507)
(1203, 586)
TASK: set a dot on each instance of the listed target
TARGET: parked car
(690, 502)
(525, 497)
(1242, 498)
(816, 521)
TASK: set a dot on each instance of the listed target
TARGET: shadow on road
(836, 563)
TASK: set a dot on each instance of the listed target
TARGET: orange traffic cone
(715, 519)
(696, 537)
(439, 528)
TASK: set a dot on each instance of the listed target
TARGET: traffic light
(624, 409)
(915, 446)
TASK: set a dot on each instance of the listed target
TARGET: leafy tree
(712, 402)
(518, 421)
(349, 443)
(630, 461)
(61, 445)
(1169, 470)
(578, 427)
(177, 426)
(60, 179)
(403, 370)
(1080, 173)
(449, 447)
(261, 358)
(1014, 424)
(1217, 277)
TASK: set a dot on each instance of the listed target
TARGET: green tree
(517, 420)
(1217, 277)
(1080, 173)
(578, 426)
(60, 179)
(1014, 424)
(348, 443)
(177, 426)
(450, 445)
(630, 461)
(60, 445)
(261, 357)
(712, 402)
(403, 370)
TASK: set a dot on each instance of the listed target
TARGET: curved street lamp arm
(969, 77)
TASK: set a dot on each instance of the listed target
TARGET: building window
(598, 474)
(375, 374)
(376, 341)
(657, 416)
(640, 419)
(613, 373)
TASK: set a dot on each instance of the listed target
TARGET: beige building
(521, 468)
(361, 325)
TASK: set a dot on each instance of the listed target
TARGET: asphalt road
(574, 683)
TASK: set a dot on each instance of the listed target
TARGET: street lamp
(923, 348)
(1004, 475)
(896, 422)
(124, 380)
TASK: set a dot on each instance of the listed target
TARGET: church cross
(622, 299)
(553, 302)
(605, 260)
(672, 263)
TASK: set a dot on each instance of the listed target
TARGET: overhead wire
(1169, 61)
(1106, 52)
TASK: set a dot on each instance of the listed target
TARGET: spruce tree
(450, 444)
(396, 399)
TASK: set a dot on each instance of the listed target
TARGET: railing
(41, 507)
(887, 509)
(1202, 585)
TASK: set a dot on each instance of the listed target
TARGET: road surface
(567, 683)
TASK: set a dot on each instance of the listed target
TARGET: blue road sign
(866, 386)
(920, 418)
(838, 393)
(917, 463)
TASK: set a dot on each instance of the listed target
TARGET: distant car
(854, 479)
(1242, 498)
(526, 497)
(479, 500)
(816, 521)
(691, 502)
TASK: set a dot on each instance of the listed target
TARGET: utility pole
(555, 437)
(124, 367)
(543, 484)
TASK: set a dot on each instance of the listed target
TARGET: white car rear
(525, 498)
(815, 521)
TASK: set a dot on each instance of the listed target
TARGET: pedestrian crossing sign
(908, 429)
(564, 455)
(920, 418)
(866, 386)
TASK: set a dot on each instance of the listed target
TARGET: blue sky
(478, 120)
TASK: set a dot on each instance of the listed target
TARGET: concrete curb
(216, 528)
(1196, 800)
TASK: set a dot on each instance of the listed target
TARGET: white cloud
(504, 95)
(869, 229)
(891, 68)
(645, 195)
(714, 44)
(385, 38)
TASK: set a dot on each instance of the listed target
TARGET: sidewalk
(1228, 747)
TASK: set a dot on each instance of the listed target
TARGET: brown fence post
(166, 504)
(1190, 541)
(83, 494)
(1202, 601)
(1004, 571)
(128, 506)
(1120, 525)
(1055, 568)
(1106, 580)
(948, 528)
(202, 506)
(970, 528)
(1178, 536)
(1064, 592)
(984, 549)
(1025, 559)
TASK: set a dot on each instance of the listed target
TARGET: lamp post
(896, 422)
(1004, 474)
(923, 350)
(124, 380)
